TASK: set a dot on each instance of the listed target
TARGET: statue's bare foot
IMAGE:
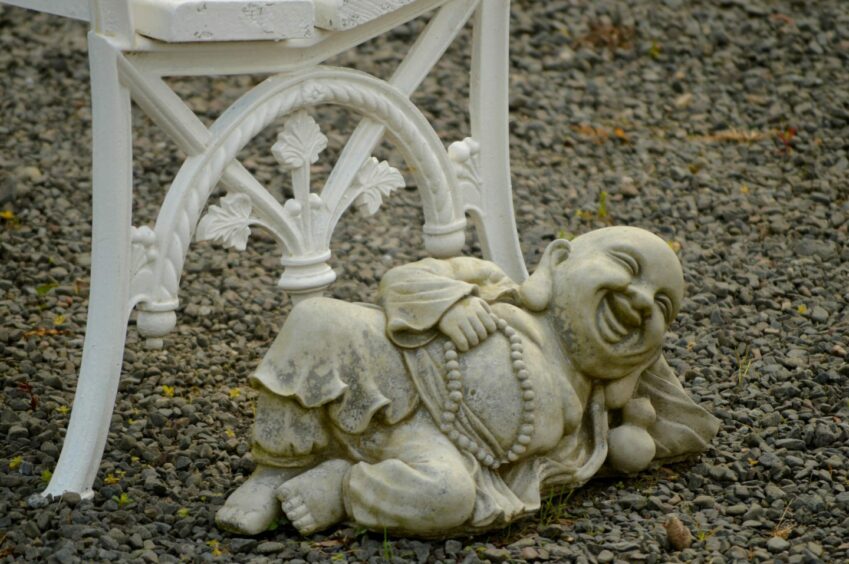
(312, 501)
(253, 506)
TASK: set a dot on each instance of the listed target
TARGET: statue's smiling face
(614, 298)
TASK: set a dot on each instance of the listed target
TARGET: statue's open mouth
(617, 320)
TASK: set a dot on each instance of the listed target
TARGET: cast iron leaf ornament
(376, 179)
(300, 143)
(228, 223)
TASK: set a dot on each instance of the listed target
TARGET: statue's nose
(641, 299)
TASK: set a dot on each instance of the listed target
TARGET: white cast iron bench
(133, 44)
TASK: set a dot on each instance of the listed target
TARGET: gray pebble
(777, 544)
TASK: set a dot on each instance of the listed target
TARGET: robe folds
(340, 375)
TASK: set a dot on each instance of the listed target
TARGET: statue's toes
(247, 521)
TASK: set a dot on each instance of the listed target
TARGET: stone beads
(451, 406)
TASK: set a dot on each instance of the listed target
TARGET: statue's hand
(468, 322)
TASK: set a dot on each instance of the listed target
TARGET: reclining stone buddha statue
(459, 401)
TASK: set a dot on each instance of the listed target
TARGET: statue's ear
(535, 292)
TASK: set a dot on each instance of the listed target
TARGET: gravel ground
(721, 125)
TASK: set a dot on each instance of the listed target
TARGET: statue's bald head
(615, 296)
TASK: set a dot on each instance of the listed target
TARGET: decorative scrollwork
(465, 156)
(299, 231)
(144, 251)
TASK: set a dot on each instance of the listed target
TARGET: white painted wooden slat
(346, 14)
(181, 21)
(76, 9)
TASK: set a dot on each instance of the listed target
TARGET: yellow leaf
(63, 409)
(167, 391)
(229, 432)
(234, 393)
(43, 332)
(744, 189)
(58, 319)
(183, 512)
(16, 462)
(655, 50)
(215, 545)
(8, 215)
(675, 246)
(802, 309)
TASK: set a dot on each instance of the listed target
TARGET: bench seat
(192, 21)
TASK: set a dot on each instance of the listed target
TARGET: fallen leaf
(734, 136)
(44, 289)
(44, 332)
(16, 462)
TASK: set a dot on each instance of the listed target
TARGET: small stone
(790, 444)
(677, 533)
(453, 546)
(704, 501)
(736, 509)
(628, 188)
(37, 501)
(812, 502)
(773, 492)
(17, 431)
(529, 553)
(270, 547)
(496, 554)
(242, 545)
(605, 556)
(71, 498)
(777, 544)
(819, 314)
(634, 501)
(754, 512)
(738, 553)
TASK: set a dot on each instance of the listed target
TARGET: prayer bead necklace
(451, 406)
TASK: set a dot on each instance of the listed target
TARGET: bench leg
(108, 309)
(496, 224)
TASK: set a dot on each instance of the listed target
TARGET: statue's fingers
(458, 338)
(488, 321)
(469, 332)
(479, 327)
(484, 305)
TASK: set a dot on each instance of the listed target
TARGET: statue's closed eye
(627, 261)
(665, 304)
